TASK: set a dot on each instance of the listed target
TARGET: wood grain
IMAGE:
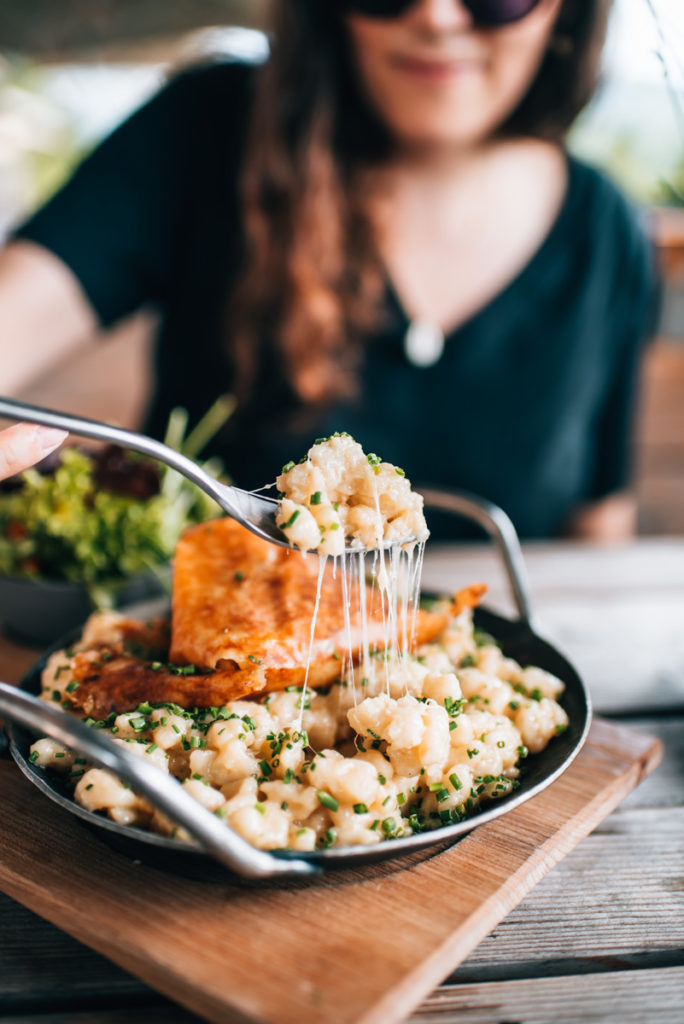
(623, 996)
(618, 894)
(298, 954)
(659, 476)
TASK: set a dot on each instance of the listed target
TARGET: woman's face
(436, 79)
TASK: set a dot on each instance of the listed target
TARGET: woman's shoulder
(603, 208)
(212, 77)
(616, 241)
(209, 89)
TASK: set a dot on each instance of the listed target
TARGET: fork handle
(97, 431)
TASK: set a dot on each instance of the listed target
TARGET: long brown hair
(310, 282)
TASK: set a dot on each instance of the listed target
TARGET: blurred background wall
(71, 70)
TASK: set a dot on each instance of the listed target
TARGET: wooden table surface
(601, 937)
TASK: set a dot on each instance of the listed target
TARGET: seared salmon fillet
(242, 603)
(241, 626)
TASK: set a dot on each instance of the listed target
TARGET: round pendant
(423, 343)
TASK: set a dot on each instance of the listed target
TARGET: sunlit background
(63, 86)
(71, 71)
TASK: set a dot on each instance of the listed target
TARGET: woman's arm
(44, 314)
(611, 519)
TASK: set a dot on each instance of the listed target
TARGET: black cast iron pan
(517, 638)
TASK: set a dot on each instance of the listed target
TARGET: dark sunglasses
(484, 12)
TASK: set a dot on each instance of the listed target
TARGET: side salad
(99, 517)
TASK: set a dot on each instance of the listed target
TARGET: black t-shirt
(530, 404)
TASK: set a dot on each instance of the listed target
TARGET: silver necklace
(423, 343)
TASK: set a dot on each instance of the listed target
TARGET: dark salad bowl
(517, 639)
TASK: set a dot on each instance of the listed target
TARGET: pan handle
(500, 528)
(163, 791)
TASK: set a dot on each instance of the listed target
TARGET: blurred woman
(378, 231)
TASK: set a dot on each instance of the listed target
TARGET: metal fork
(254, 511)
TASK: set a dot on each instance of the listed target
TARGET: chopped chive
(327, 800)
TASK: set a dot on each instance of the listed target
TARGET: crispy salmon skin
(241, 626)
(240, 601)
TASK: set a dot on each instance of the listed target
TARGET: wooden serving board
(363, 946)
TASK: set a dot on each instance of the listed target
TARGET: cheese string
(302, 699)
(348, 666)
